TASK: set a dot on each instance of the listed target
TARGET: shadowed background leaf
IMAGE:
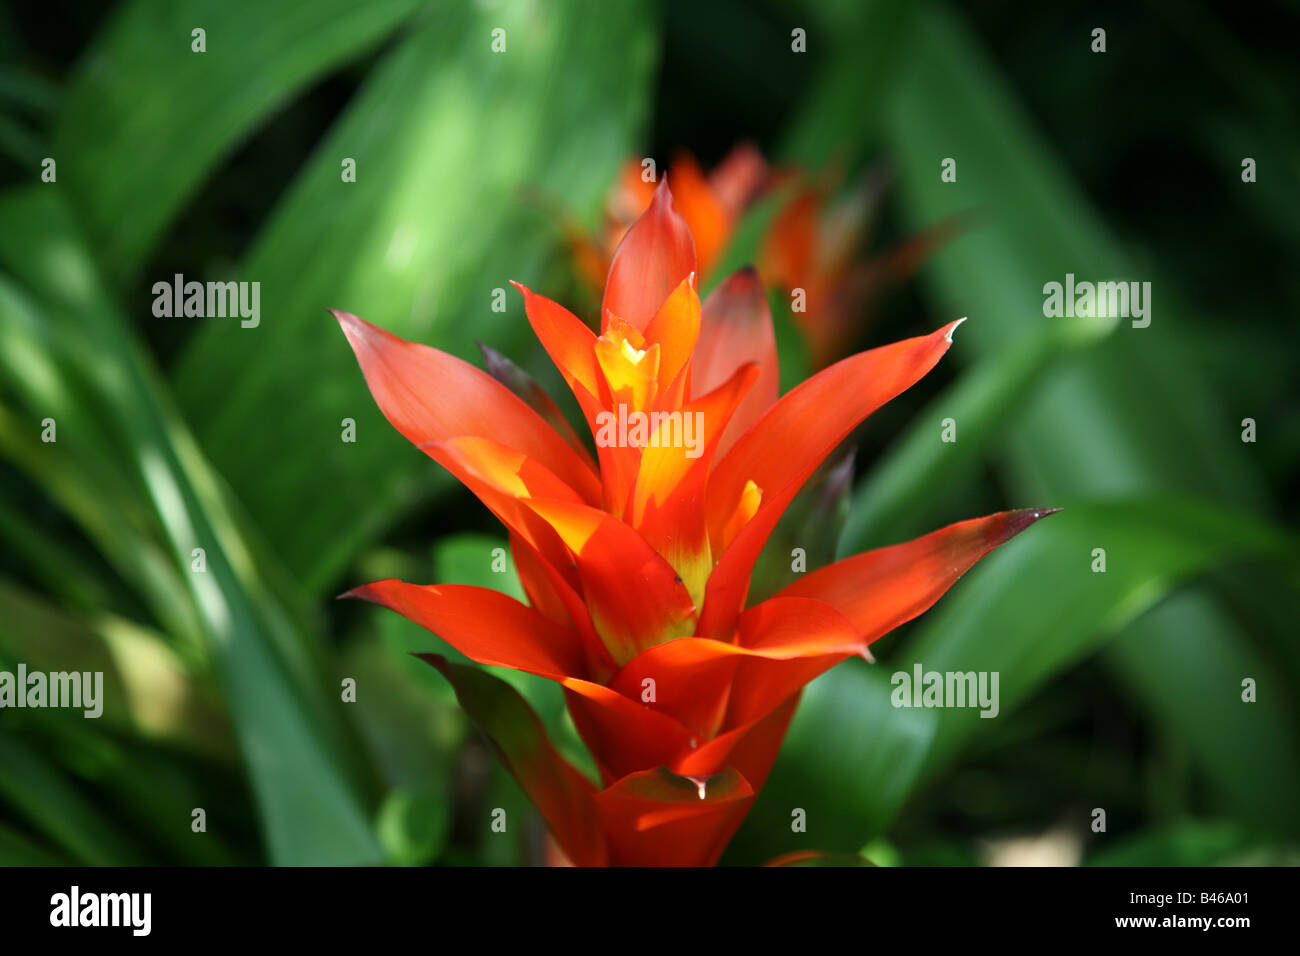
(434, 223)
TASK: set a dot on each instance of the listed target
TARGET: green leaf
(147, 689)
(1125, 417)
(81, 469)
(60, 569)
(1027, 612)
(1192, 843)
(1048, 608)
(41, 791)
(1132, 416)
(150, 792)
(414, 824)
(1182, 666)
(446, 136)
(473, 558)
(897, 497)
(17, 850)
(285, 714)
(141, 87)
(811, 525)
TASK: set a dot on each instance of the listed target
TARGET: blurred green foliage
(1122, 690)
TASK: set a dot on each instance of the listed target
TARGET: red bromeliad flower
(636, 565)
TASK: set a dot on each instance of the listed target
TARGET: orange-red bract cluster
(636, 563)
(810, 251)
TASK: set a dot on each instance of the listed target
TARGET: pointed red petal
(736, 328)
(484, 625)
(716, 685)
(430, 396)
(623, 734)
(542, 592)
(688, 679)
(785, 446)
(656, 254)
(635, 597)
(507, 481)
(535, 397)
(882, 589)
(503, 479)
(571, 346)
(751, 749)
(565, 337)
(675, 329)
(668, 500)
(788, 642)
(657, 818)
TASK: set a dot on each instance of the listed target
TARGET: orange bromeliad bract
(636, 565)
(811, 247)
(711, 205)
